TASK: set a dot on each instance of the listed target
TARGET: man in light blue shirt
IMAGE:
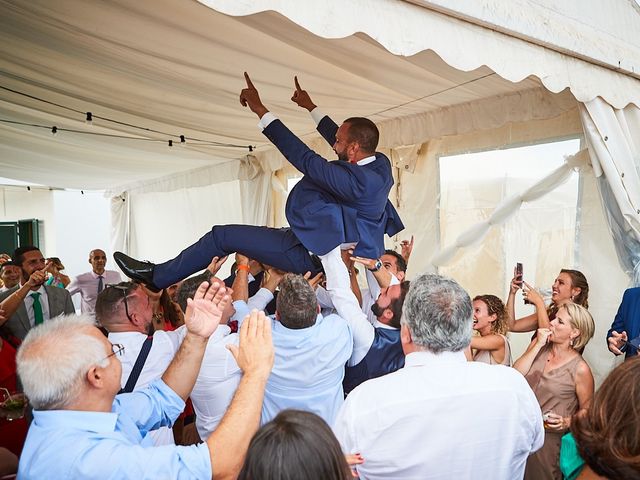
(311, 351)
(80, 429)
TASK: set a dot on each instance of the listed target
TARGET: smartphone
(519, 270)
(519, 275)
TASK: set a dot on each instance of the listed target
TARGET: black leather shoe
(141, 272)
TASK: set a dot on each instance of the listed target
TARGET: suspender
(137, 368)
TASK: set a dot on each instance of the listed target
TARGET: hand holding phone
(519, 273)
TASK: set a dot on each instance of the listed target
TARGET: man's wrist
(243, 268)
(376, 266)
(197, 340)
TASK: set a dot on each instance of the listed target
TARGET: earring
(571, 342)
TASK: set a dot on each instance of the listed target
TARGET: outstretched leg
(278, 247)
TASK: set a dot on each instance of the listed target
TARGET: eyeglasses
(125, 288)
(117, 349)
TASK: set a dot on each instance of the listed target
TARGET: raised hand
(516, 281)
(532, 295)
(249, 97)
(215, 264)
(255, 353)
(38, 277)
(301, 97)
(406, 247)
(204, 311)
(314, 281)
(542, 336)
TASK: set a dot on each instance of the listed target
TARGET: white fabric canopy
(176, 67)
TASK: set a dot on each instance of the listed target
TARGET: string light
(193, 142)
(170, 143)
(89, 116)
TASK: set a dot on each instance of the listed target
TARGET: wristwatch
(377, 266)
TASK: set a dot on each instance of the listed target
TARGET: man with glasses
(81, 429)
(125, 312)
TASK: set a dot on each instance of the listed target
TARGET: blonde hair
(583, 321)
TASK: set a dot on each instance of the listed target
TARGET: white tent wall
(64, 218)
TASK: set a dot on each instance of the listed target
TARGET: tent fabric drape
(509, 207)
(612, 137)
(404, 28)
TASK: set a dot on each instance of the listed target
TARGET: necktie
(100, 284)
(37, 308)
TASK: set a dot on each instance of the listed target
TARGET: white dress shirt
(86, 285)
(216, 383)
(44, 301)
(441, 417)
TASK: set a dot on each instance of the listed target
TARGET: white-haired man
(81, 429)
(441, 416)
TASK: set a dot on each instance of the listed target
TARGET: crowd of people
(288, 369)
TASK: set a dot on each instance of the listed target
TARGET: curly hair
(607, 435)
(497, 308)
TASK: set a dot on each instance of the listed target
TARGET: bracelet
(246, 268)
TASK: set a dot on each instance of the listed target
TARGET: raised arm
(346, 304)
(229, 442)
(524, 363)
(524, 324)
(202, 317)
(534, 297)
(13, 301)
(335, 177)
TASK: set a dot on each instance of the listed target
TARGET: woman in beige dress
(561, 380)
(489, 320)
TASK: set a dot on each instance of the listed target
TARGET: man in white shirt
(124, 310)
(90, 284)
(441, 416)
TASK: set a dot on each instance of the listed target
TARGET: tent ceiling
(176, 66)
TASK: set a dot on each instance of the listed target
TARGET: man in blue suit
(344, 201)
(626, 324)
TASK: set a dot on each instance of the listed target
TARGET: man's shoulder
(56, 292)
(6, 293)
(84, 276)
(333, 323)
(631, 293)
(112, 274)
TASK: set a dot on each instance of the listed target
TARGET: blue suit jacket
(628, 317)
(337, 202)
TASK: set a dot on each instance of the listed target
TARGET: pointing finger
(249, 83)
(295, 79)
